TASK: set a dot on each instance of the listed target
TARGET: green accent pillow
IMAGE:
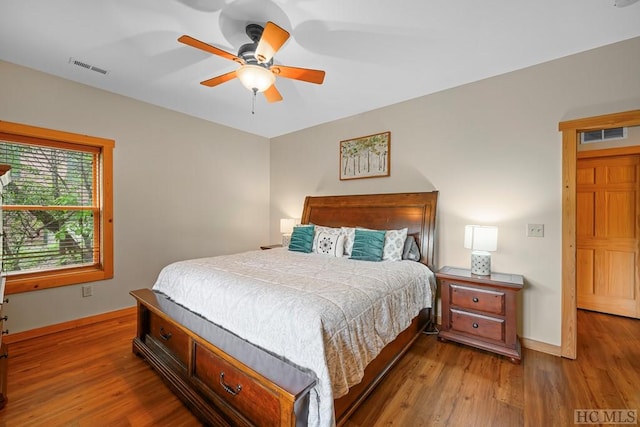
(301, 238)
(368, 245)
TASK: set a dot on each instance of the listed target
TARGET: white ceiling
(375, 52)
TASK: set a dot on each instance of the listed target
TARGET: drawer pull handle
(475, 299)
(164, 335)
(228, 388)
(5, 318)
(475, 325)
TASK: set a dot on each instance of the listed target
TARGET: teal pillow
(301, 239)
(368, 245)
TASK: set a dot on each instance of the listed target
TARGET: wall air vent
(603, 135)
(83, 64)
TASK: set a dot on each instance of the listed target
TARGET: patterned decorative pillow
(368, 245)
(322, 229)
(301, 238)
(394, 244)
(330, 244)
(349, 234)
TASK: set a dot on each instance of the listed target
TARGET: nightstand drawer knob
(475, 299)
(475, 325)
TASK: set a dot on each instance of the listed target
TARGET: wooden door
(607, 234)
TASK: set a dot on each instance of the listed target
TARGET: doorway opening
(571, 131)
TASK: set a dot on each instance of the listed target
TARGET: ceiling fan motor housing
(248, 53)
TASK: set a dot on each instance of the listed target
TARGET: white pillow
(330, 244)
(322, 229)
(394, 244)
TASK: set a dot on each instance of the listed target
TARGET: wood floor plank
(51, 383)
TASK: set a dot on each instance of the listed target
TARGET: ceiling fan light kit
(255, 77)
(257, 72)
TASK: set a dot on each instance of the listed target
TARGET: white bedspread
(330, 315)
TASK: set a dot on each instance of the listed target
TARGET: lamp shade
(481, 237)
(286, 225)
(255, 77)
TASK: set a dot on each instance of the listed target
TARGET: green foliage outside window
(49, 213)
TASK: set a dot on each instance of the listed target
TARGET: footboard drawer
(236, 389)
(171, 337)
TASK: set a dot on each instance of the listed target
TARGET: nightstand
(480, 310)
(265, 247)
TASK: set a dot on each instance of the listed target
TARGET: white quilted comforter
(330, 315)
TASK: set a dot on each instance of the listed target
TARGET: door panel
(620, 219)
(607, 200)
(620, 274)
(585, 270)
(586, 223)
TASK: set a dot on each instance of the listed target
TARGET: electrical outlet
(87, 290)
(535, 230)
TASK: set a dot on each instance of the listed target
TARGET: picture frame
(366, 157)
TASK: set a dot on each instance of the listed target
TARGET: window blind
(51, 219)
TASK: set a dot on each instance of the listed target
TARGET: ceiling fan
(257, 71)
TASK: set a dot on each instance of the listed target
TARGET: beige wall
(493, 150)
(183, 187)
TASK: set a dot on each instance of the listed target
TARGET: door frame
(571, 130)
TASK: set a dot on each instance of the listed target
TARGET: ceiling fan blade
(190, 41)
(272, 94)
(272, 39)
(215, 81)
(304, 74)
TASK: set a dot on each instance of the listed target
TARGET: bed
(226, 378)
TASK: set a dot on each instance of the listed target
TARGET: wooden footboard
(225, 380)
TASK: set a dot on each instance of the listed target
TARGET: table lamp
(481, 239)
(286, 228)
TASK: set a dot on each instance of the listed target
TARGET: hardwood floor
(435, 384)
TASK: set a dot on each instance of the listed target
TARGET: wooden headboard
(416, 211)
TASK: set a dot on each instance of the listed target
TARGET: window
(57, 210)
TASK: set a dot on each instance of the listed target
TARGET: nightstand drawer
(484, 300)
(478, 325)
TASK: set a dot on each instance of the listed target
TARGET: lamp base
(286, 239)
(481, 263)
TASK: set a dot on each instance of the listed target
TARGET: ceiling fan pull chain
(253, 101)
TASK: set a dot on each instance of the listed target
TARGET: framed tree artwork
(365, 157)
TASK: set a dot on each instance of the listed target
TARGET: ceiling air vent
(603, 135)
(83, 64)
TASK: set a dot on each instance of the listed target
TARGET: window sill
(29, 282)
